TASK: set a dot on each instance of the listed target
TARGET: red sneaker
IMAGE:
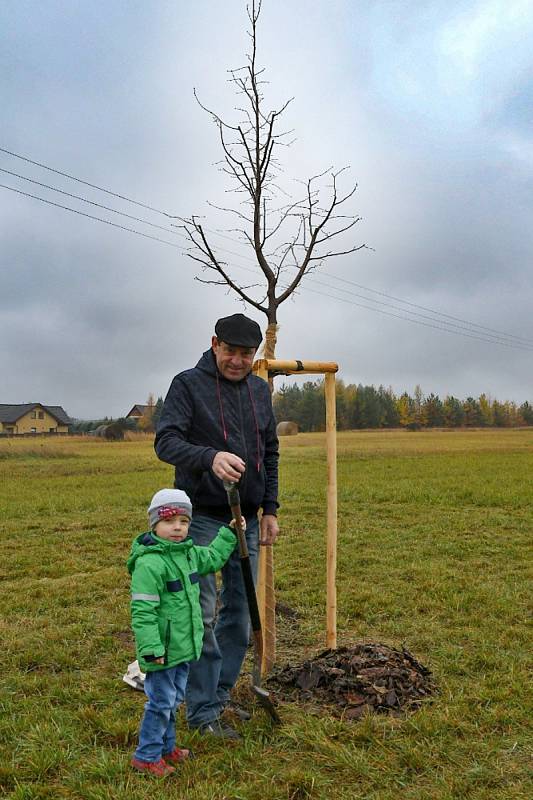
(177, 755)
(157, 768)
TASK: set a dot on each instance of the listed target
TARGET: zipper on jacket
(242, 484)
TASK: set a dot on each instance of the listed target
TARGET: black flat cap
(238, 330)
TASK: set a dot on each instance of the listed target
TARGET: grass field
(434, 552)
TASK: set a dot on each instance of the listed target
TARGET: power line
(86, 183)
(488, 332)
(431, 310)
(92, 203)
(491, 331)
(90, 216)
(333, 297)
(495, 335)
(514, 346)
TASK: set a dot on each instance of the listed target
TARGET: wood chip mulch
(368, 677)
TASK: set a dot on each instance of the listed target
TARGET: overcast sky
(431, 105)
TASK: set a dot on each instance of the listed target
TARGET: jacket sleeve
(175, 423)
(146, 588)
(214, 556)
(271, 458)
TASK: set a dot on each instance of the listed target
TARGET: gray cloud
(430, 107)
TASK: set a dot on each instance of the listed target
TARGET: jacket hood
(149, 543)
(207, 363)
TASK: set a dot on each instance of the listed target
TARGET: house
(139, 411)
(33, 418)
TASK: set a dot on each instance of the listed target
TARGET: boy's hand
(233, 524)
(160, 660)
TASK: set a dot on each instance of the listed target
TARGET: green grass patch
(434, 553)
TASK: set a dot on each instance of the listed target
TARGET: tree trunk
(271, 337)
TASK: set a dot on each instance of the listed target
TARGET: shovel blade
(263, 697)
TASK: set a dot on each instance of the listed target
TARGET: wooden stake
(265, 590)
(331, 568)
(266, 597)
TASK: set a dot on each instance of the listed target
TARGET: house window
(33, 430)
(41, 414)
(34, 415)
(52, 430)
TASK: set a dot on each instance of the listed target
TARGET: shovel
(261, 694)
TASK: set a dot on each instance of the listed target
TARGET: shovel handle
(262, 695)
(234, 501)
(235, 505)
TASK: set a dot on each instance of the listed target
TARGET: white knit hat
(171, 499)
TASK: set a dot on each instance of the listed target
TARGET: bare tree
(289, 240)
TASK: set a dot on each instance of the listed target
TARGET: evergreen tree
(453, 412)
(157, 412)
(472, 412)
(499, 415)
(433, 411)
(485, 409)
(389, 411)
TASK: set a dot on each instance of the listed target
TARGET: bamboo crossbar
(274, 365)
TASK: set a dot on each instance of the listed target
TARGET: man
(217, 425)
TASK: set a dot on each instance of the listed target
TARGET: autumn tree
(406, 410)
(287, 237)
(526, 413)
(453, 412)
(145, 423)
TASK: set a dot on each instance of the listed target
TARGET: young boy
(167, 619)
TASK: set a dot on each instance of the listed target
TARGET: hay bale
(114, 432)
(287, 429)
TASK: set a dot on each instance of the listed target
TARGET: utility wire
(86, 183)
(469, 323)
(491, 331)
(488, 332)
(496, 336)
(512, 345)
(93, 203)
(90, 216)
(247, 269)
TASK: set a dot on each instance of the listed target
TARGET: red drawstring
(224, 431)
(223, 421)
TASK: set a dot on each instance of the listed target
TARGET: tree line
(360, 407)
(147, 423)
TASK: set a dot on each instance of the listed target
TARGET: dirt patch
(369, 677)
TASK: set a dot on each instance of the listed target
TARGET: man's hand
(233, 524)
(228, 466)
(269, 529)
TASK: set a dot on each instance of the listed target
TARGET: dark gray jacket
(204, 413)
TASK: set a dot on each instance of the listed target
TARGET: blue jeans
(165, 690)
(225, 642)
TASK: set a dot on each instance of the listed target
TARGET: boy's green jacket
(165, 595)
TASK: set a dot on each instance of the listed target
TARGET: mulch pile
(369, 677)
